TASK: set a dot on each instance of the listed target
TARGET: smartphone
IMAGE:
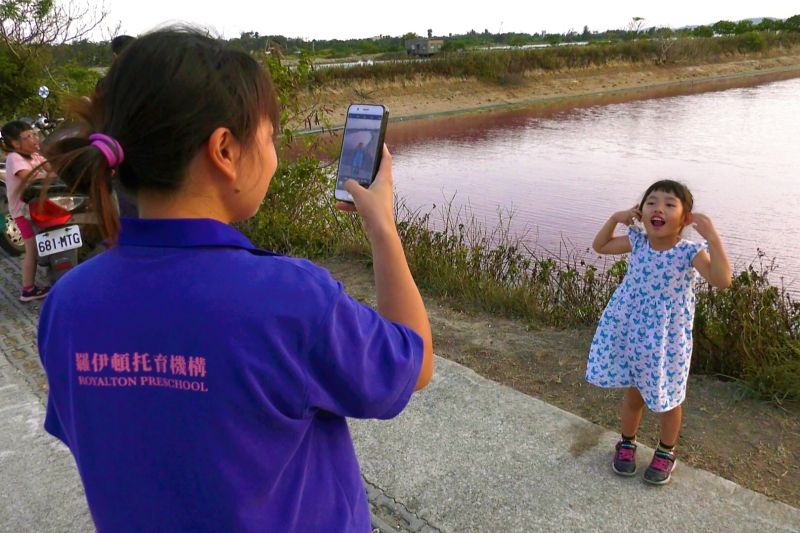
(362, 146)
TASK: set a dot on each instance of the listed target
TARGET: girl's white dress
(644, 338)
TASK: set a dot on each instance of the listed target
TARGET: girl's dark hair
(680, 191)
(11, 131)
(161, 100)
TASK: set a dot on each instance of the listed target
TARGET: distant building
(422, 46)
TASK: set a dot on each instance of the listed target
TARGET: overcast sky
(345, 19)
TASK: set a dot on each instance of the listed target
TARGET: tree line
(46, 43)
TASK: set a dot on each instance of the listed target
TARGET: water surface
(564, 173)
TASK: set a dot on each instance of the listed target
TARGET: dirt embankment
(428, 98)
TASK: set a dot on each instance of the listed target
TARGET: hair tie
(109, 147)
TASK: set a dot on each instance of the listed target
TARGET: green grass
(749, 333)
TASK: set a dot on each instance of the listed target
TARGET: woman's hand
(375, 204)
(628, 216)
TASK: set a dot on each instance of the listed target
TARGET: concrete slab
(471, 455)
(39, 486)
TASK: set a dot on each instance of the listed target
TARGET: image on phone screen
(361, 143)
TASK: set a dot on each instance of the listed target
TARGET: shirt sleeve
(15, 163)
(695, 248)
(361, 365)
(636, 236)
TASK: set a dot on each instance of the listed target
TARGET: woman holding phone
(204, 384)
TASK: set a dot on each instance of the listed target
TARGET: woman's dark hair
(680, 191)
(119, 43)
(11, 131)
(161, 100)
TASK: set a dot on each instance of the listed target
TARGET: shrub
(751, 332)
(298, 216)
(751, 41)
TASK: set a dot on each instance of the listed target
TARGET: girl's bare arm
(605, 242)
(713, 266)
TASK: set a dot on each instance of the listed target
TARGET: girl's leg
(624, 462)
(660, 470)
(671, 426)
(632, 408)
(29, 263)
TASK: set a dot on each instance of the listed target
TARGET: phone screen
(362, 143)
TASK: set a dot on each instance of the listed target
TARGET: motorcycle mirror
(44, 92)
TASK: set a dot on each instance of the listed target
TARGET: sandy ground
(428, 98)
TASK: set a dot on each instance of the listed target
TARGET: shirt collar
(180, 233)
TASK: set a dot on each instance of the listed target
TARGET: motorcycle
(57, 220)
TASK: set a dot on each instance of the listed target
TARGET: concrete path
(471, 455)
(39, 485)
(467, 455)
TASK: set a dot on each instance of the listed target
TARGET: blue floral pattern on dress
(644, 338)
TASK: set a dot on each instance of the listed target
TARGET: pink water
(563, 175)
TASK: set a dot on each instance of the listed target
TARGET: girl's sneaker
(625, 458)
(34, 293)
(660, 470)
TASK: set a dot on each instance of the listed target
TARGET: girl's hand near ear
(702, 224)
(628, 216)
(714, 266)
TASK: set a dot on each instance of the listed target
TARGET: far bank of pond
(555, 90)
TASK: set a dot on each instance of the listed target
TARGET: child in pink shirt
(21, 143)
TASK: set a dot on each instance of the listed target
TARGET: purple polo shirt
(203, 385)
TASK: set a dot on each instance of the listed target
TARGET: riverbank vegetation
(509, 65)
(749, 333)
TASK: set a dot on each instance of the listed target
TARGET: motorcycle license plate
(59, 240)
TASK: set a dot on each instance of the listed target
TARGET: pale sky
(345, 19)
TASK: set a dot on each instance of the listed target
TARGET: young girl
(21, 143)
(202, 384)
(644, 339)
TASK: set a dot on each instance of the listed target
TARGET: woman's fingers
(345, 206)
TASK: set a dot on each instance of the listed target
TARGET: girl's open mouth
(657, 222)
